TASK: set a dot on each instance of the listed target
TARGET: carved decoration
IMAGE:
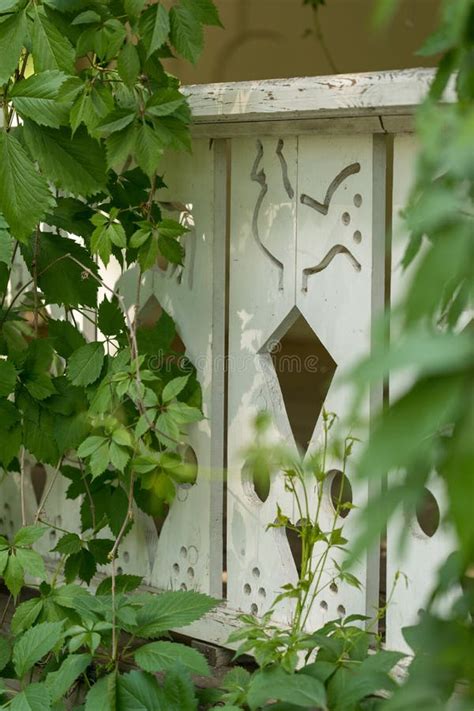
(323, 209)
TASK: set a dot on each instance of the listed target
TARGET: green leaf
(171, 249)
(123, 583)
(12, 36)
(297, 689)
(37, 98)
(138, 691)
(24, 194)
(163, 656)
(7, 243)
(154, 28)
(205, 11)
(7, 377)
(164, 102)
(90, 445)
(99, 461)
(73, 163)
(65, 337)
(347, 687)
(60, 682)
(122, 436)
(102, 696)
(120, 146)
(51, 49)
(34, 698)
(119, 456)
(172, 609)
(148, 149)
(110, 319)
(182, 414)
(28, 535)
(128, 64)
(174, 387)
(13, 575)
(100, 549)
(26, 615)
(62, 280)
(116, 121)
(68, 544)
(178, 692)
(186, 33)
(85, 364)
(133, 8)
(34, 644)
(31, 562)
(5, 653)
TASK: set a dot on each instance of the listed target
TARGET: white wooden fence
(290, 189)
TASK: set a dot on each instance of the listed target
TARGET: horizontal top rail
(384, 94)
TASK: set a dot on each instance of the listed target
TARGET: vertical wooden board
(261, 304)
(339, 291)
(187, 552)
(422, 554)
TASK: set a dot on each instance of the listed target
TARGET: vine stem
(112, 556)
(22, 487)
(48, 491)
(318, 31)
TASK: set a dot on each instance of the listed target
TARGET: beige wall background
(267, 39)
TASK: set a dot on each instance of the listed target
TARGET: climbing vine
(88, 111)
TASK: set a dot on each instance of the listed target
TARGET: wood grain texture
(342, 95)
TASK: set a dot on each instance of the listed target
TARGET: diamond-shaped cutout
(304, 369)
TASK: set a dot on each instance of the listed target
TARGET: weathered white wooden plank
(262, 279)
(422, 553)
(187, 553)
(389, 92)
(339, 290)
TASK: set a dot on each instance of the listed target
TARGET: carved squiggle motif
(284, 170)
(323, 207)
(259, 177)
(326, 261)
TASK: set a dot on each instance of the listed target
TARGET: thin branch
(22, 487)
(48, 490)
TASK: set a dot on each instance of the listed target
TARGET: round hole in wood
(119, 571)
(428, 514)
(190, 572)
(247, 589)
(341, 492)
(183, 587)
(357, 199)
(341, 610)
(262, 592)
(190, 464)
(346, 218)
(254, 609)
(176, 568)
(256, 572)
(256, 483)
(183, 551)
(323, 605)
(357, 236)
(333, 588)
(126, 557)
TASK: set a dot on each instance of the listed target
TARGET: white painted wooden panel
(262, 284)
(309, 207)
(421, 555)
(188, 552)
(339, 265)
